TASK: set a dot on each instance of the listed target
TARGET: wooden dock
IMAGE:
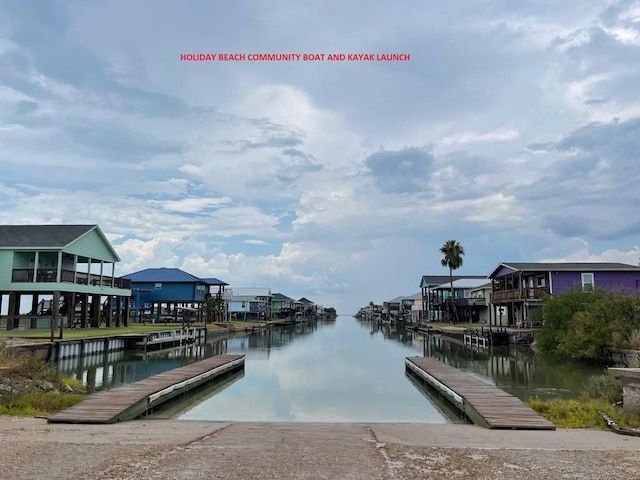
(484, 404)
(134, 399)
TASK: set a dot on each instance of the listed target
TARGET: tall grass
(19, 370)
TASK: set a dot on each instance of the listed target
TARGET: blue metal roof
(163, 275)
(213, 281)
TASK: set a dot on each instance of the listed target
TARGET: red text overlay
(295, 57)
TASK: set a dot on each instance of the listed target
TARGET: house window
(158, 286)
(587, 281)
(540, 280)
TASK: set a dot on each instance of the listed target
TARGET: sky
(513, 128)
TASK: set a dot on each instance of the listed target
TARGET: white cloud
(499, 135)
(191, 205)
(284, 174)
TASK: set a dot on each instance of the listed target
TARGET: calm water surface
(340, 371)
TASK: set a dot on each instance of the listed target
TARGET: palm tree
(453, 253)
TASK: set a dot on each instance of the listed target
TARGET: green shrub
(603, 387)
(583, 324)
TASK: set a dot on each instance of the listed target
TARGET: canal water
(331, 371)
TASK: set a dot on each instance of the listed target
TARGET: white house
(248, 303)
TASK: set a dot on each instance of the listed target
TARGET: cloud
(513, 129)
(400, 171)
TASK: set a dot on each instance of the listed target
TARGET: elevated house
(217, 312)
(519, 288)
(432, 305)
(469, 300)
(391, 308)
(70, 269)
(216, 287)
(481, 297)
(308, 308)
(281, 306)
(249, 303)
(416, 307)
(167, 294)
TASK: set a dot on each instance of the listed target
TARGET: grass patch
(33, 387)
(602, 393)
(74, 383)
(44, 403)
(583, 413)
(76, 333)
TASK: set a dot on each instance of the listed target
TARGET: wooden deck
(484, 404)
(134, 399)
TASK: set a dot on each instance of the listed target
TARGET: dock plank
(484, 404)
(134, 399)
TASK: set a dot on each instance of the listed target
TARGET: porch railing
(25, 275)
(525, 293)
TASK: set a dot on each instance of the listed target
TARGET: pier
(484, 404)
(135, 399)
(485, 337)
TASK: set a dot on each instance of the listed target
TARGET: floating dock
(134, 399)
(484, 404)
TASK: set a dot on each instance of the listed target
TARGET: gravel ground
(170, 449)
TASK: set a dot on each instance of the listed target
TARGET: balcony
(477, 301)
(20, 275)
(520, 294)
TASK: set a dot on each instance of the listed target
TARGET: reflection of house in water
(109, 370)
(502, 367)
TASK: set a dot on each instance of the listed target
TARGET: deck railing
(525, 293)
(25, 275)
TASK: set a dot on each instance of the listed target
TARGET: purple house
(519, 287)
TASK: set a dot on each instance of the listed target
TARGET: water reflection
(332, 371)
(179, 405)
(519, 371)
(108, 370)
(335, 375)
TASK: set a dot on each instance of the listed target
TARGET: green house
(59, 272)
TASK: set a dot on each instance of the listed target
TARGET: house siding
(170, 292)
(563, 281)
(6, 266)
(236, 306)
(503, 271)
(92, 245)
(627, 281)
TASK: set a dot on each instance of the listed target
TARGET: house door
(530, 292)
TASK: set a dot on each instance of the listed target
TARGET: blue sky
(514, 129)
